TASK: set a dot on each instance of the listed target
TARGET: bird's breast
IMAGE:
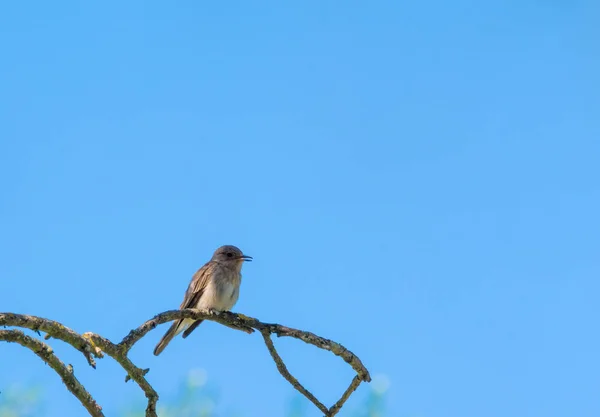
(221, 294)
(228, 295)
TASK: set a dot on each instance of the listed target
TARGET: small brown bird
(214, 286)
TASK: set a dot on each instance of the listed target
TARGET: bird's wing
(197, 286)
(193, 295)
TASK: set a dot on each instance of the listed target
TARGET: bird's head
(231, 256)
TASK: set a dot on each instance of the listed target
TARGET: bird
(216, 286)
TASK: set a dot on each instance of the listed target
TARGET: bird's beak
(246, 258)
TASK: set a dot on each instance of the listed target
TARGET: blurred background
(418, 181)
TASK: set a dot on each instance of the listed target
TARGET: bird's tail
(173, 331)
(190, 329)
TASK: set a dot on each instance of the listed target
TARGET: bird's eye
(229, 254)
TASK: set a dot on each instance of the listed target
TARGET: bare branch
(93, 344)
(119, 354)
(235, 321)
(351, 388)
(245, 323)
(325, 344)
(66, 373)
(286, 374)
(53, 329)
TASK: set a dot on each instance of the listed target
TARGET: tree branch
(133, 372)
(66, 373)
(351, 388)
(93, 344)
(52, 329)
(286, 374)
(247, 324)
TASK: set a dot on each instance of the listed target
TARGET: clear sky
(419, 181)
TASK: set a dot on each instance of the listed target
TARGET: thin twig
(286, 374)
(351, 388)
(66, 373)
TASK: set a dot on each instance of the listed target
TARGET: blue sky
(419, 182)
